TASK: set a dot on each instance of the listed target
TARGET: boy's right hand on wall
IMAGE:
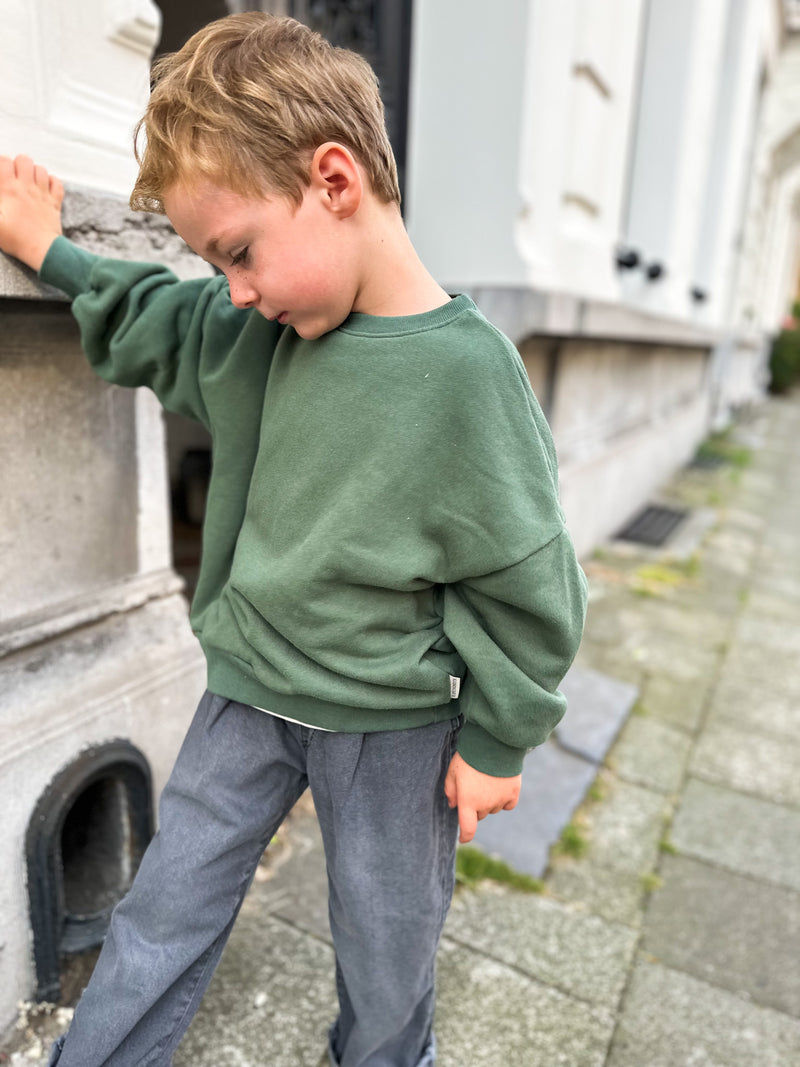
(30, 209)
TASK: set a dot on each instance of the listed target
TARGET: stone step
(558, 774)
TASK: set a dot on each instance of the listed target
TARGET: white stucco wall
(544, 139)
(468, 70)
(75, 80)
(581, 71)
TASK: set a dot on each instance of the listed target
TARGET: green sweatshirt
(383, 516)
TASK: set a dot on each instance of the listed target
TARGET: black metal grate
(85, 839)
(653, 525)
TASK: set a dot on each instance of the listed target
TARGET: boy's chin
(311, 331)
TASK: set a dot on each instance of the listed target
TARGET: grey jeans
(389, 840)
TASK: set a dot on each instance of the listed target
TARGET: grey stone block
(611, 894)
(743, 833)
(742, 703)
(679, 704)
(620, 662)
(271, 1000)
(103, 223)
(652, 754)
(490, 1015)
(698, 625)
(672, 1020)
(764, 669)
(729, 930)
(750, 762)
(554, 782)
(775, 581)
(17, 280)
(580, 954)
(597, 706)
(781, 635)
(70, 478)
(777, 607)
(677, 655)
(625, 828)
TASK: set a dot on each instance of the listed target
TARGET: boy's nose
(242, 295)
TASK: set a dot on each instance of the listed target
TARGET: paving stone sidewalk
(673, 939)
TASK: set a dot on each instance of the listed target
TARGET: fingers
(467, 823)
(24, 168)
(450, 789)
(41, 178)
(56, 190)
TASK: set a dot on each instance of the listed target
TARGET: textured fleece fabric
(383, 510)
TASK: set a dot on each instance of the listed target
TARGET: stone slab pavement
(668, 934)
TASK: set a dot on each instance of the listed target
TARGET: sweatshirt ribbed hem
(228, 679)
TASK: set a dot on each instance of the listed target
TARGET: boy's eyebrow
(212, 247)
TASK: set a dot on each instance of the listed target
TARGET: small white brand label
(455, 686)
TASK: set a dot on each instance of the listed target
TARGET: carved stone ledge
(104, 223)
(522, 313)
(133, 23)
(87, 608)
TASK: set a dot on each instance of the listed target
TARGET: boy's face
(292, 264)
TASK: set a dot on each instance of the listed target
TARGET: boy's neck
(395, 281)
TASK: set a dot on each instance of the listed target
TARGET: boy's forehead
(206, 211)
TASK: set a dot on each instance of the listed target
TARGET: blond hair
(247, 101)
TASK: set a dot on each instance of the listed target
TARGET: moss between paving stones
(473, 866)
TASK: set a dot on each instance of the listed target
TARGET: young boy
(388, 598)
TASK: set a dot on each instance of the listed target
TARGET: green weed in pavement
(573, 841)
(474, 866)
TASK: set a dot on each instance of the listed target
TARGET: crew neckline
(386, 325)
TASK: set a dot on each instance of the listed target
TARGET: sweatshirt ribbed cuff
(485, 753)
(67, 267)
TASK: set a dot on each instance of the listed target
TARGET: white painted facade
(552, 139)
(545, 136)
(75, 77)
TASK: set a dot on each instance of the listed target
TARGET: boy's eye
(240, 257)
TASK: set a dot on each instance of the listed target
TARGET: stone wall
(95, 643)
(624, 416)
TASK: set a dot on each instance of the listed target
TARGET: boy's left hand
(477, 795)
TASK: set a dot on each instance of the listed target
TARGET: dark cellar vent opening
(96, 854)
(85, 841)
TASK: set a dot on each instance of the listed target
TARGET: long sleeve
(201, 356)
(517, 630)
(140, 325)
(515, 595)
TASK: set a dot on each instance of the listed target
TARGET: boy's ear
(336, 177)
